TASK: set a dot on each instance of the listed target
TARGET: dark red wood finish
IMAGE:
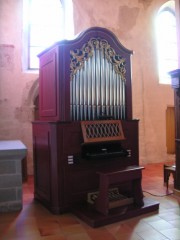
(60, 185)
(175, 83)
(54, 92)
(63, 178)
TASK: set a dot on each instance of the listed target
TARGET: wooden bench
(168, 170)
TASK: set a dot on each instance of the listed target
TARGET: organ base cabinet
(64, 180)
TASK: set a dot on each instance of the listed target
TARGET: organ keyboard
(102, 139)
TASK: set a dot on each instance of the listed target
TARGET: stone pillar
(11, 155)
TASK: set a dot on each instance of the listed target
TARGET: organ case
(80, 80)
(87, 79)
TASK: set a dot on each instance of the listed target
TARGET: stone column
(11, 155)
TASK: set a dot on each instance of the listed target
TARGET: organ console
(86, 140)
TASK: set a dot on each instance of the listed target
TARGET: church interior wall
(133, 23)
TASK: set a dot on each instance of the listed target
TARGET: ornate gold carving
(79, 56)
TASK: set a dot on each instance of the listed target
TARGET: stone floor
(34, 222)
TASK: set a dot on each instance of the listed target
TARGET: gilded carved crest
(79, 56)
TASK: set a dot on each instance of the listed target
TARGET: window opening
(166, 41)
(46, 22)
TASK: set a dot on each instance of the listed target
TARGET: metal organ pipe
(96, 87)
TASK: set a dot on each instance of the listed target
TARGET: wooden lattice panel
(102, 130)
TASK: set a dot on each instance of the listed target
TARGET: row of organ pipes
(96, 92)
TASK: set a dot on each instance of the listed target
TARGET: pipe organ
(85, 140)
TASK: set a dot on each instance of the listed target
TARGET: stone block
(7, 194)
(7, 167)
(11, 155)
(9, 181)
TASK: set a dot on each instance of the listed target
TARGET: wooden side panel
(177, 127)
(177, 112)
(175, 76)
(42, 158)
(48, 178)
(170, 130)
(48, 86)
(177, 174)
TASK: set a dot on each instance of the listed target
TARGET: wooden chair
(168, 170)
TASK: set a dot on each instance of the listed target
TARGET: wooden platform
(96, 219)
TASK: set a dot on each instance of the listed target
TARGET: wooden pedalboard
(115, 198)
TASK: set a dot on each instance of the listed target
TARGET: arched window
(45, 22)
(166, 41)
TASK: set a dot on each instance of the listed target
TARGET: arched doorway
(30, 112)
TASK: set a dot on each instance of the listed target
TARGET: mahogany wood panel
(48, 90)
(46, 175)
